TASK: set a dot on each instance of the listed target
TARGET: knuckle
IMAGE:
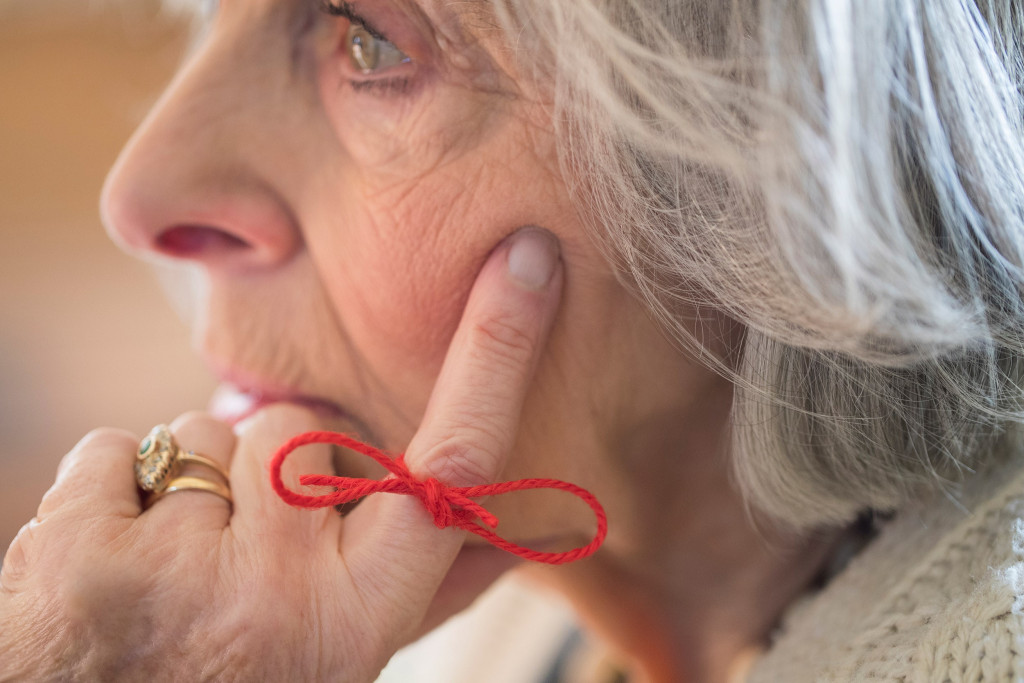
(277, 420)
(18, 560)
(501, 337)
(191, 417)
(459, 461)
(104, 438)
(52, 500)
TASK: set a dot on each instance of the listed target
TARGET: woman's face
(340, 181)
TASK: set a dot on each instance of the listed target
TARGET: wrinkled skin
(96, 588)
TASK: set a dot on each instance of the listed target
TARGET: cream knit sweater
(937, 597)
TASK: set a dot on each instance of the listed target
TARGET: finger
(208, 438)
(258, 510)
(472, 418)
(96, 477)
(473, 415)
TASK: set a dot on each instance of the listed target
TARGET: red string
(448, 505)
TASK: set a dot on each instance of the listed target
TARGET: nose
(197, 180)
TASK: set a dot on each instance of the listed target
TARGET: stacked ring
(190, 484)
(159, 464)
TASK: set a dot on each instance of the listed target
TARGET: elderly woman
(748, 272)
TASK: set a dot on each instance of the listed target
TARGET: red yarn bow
(448, 505)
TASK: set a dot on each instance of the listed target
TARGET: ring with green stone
(159, 460)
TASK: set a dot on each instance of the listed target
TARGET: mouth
(240, 396)
(232, 403)
(243, 393)
(478, 563)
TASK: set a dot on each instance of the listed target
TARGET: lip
(240, 396)
(232, 404)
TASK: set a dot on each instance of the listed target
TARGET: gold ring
(190, 484)
(160, 459)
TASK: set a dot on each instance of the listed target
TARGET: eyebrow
(471, 16)
(344, 9)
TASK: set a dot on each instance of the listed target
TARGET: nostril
(188, 241)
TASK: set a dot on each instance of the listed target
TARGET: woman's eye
(370, 54)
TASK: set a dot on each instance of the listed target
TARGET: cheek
(405, 300)
(408, 220)
(401, 136)
(401, 266)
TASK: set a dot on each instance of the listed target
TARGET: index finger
(473, 415)
(472, 419)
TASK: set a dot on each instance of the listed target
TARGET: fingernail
(533, 257)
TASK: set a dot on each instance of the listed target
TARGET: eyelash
(398, 85)
(345, 11)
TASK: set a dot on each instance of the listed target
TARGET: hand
(96, 588)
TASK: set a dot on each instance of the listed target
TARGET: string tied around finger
(448, 506)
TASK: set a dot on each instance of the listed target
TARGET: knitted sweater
(938, 596)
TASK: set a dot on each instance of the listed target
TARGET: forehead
(467, 32)
(467, 9)
(455, 23)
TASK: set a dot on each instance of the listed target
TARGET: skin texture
(191, 589)
(339, 222)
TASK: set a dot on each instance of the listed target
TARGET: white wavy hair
(845, 178)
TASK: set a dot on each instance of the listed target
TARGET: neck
(688, 583)
(703, 623)
(693, 612)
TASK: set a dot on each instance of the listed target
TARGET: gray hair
(844, 179)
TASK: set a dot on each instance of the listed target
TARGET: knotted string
(448, 505)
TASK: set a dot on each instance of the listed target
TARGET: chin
(475, 568)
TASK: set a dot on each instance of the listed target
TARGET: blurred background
(86, 337)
